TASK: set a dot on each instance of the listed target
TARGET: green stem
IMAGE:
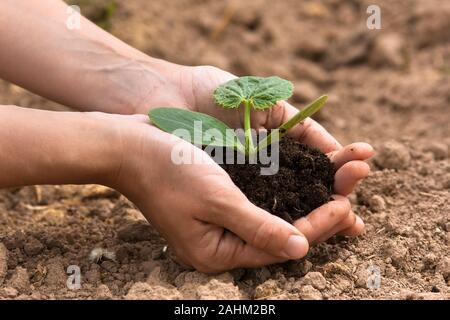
(249, 148)
(306, 112)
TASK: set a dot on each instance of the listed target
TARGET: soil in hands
(303, 182)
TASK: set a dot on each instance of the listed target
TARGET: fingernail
(296, 247)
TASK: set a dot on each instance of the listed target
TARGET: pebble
(103, 293)
(10, 292)
(267, 289)
(393, 155)
(216, 289)
(315, 279)
(377, 203)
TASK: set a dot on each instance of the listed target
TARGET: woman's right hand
(205, 218)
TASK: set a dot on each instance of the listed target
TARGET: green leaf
(195, 127)
(261, 93)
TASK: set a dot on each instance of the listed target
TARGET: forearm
(43, 147)
(85, 68)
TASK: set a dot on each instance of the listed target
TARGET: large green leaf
(201, 128)
(261, 93)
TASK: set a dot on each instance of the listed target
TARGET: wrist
(143, 83)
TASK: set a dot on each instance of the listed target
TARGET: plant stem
(249, 148)
(306, 112)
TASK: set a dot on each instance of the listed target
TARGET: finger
(355, 230)
(308, 132)
(259, 228)
(346, 223)
(323, 219)
(235, 253)
(354, 151)
(347, 177)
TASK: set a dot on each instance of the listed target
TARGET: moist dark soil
(303, 182)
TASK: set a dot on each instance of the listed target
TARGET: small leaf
(261, 93)
(195, 127)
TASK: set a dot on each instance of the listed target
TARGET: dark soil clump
(303, 183)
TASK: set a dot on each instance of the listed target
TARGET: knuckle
(340, 210)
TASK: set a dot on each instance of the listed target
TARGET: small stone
(103, 293)
(377, 203)
(215, 289)
(20, 280)
(267, 289)
(393, 155)
(3, 262)
(33, 247)
(315, 279)
(135, 231)
(438, 149)
(310, 293)
(10, 292)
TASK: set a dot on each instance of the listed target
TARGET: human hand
(193, 90)
(204, 217)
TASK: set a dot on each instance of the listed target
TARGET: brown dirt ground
(389, 87)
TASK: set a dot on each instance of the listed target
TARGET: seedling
(250, 92)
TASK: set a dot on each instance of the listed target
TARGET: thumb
(262, 230)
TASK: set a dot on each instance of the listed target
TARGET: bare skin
(204, 217)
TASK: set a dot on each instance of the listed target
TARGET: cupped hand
(209, 222)
(205, 218)
(194, 87)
